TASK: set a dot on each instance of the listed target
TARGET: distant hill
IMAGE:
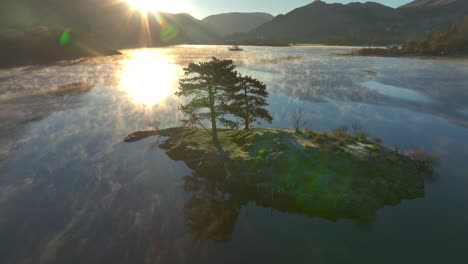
(429, 3)
(367, 23)
(109, 20)
(453, 41)
(41, 45)
(230, 23)
(320, 22)
(423, 17)
(31, 29)
(112, 24)
(166, 29)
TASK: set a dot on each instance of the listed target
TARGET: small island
(333, 175)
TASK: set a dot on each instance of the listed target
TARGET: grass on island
(331, 174)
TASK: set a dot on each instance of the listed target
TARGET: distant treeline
(453, 41)
(42, 45)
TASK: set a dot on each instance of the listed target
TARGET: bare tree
(297, 121)
(357, 128)
(154, 125)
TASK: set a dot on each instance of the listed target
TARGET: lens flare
(65, 38)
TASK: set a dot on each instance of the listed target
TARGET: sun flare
(148, 77)
(170, 6)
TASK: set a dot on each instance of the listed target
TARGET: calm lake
(71, 191)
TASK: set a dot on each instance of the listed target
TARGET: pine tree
(207, 85)
(248, 99)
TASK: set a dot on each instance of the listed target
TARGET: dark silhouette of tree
(207, 85)
(247, 101)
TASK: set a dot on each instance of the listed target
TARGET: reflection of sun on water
(148, 77)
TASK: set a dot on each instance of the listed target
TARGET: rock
(139, 135)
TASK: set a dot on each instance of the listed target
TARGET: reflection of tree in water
(211, 212)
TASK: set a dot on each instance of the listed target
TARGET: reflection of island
(328, 175)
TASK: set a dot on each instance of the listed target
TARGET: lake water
(71, 191)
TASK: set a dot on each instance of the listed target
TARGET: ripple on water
(396, 92)
(464, 111)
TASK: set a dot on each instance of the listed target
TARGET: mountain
(429, 3)
(423, 17)
(320, 22)
(111, 21)
(31, 30)
(367, 23)
(41, 46)
(230, 23)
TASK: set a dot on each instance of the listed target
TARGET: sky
(203, 8)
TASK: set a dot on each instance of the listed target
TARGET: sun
(149, 6)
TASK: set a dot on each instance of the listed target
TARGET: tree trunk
(247, 111)
(214, 129)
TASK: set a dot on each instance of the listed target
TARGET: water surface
(72, 192)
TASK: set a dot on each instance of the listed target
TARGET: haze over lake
(71, 191)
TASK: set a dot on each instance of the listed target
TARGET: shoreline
(389, 53)
(330, 175)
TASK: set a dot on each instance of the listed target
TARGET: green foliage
(233, 125)
(216, 90)
(247, 100)
(207, 85)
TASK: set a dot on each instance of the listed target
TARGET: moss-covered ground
(331, 175)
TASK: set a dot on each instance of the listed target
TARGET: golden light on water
(148, 77)
(170, 6)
